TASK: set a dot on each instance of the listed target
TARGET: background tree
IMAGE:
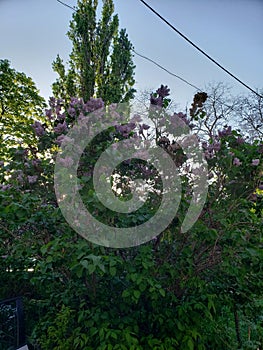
(250, 111)
(219, 109)
(244, 112)
(101, 59)
(20, 106)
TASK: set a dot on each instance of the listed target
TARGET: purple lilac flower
(5, 187)
(156, 101)
(71, 111)
(208, 155)
(20, 177)
(236, 162)
(32, 179)
(93, 104)
(60, 128)
(63, 138)
(59, 139)
(253, 197)
(163, 91)
(136, 118)
(75, 101)
(39, 129)
(216, 145)
(66, 162)
(255, 162)
(240, 140)
(58, 108)
(36, 162)
(204, 145)
(126, 129)
(52, 102)
(225, 132)
(48, 113)
(143, 127)
(61, 116)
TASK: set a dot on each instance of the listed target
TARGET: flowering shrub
(196, 290)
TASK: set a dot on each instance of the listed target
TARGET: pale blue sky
(32, 33)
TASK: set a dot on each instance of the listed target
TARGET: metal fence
(12, 325)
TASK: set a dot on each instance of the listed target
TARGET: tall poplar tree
(100, 63)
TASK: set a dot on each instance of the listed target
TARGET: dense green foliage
(196, 290)
(20, 105)
(101, 59)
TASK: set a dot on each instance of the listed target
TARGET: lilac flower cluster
(211, 148)
(227, 131)
(184, 119)
(5, 187)
(126, 129)
(39, 128)
(62, 117)
(237, 162)
(143, 127)
(255, 162)
(32, 179)
(60, 128)
(157, 99)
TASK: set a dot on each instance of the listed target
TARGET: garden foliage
(201, 289)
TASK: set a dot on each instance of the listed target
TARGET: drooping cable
(198, 48)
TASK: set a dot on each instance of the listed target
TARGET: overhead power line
(63, 3)
(166, 70)
(198, 48)
(145, 57)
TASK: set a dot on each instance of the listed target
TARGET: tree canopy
(20, 106)
(100, 63)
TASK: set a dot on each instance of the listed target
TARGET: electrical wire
(166, 70)
(198, 48)
(148, 59)
(63, 3)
